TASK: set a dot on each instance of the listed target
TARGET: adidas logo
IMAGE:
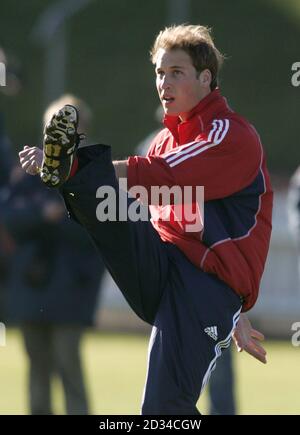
(212, 331)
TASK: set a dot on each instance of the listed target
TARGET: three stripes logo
(219, 130)
(212, 331)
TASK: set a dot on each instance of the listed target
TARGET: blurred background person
(12, 88)
(53, 284)
(7, 245)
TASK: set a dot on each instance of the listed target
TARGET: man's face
(178, 86)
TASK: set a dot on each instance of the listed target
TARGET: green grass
(115, 367)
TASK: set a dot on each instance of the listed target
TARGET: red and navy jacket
(220, 150)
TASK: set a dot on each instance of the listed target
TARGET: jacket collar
(207, 109)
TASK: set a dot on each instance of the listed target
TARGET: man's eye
(177, 72)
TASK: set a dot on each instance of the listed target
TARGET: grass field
(115, 367)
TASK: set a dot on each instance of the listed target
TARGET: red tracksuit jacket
(218, 149)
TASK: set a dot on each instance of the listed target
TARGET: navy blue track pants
(193, 313)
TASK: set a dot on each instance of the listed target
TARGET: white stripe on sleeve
(215, 137)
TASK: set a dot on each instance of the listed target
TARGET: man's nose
(165, 82)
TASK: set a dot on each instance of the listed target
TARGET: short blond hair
(85, 114)
(197, 42)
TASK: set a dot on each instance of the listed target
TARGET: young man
(189, 284)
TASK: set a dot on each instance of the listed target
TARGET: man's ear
(205, 78)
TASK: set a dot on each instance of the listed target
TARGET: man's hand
(248, 339)
(31, 159)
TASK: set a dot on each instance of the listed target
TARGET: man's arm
(31, 160)
(223, 148)
(248, 339)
